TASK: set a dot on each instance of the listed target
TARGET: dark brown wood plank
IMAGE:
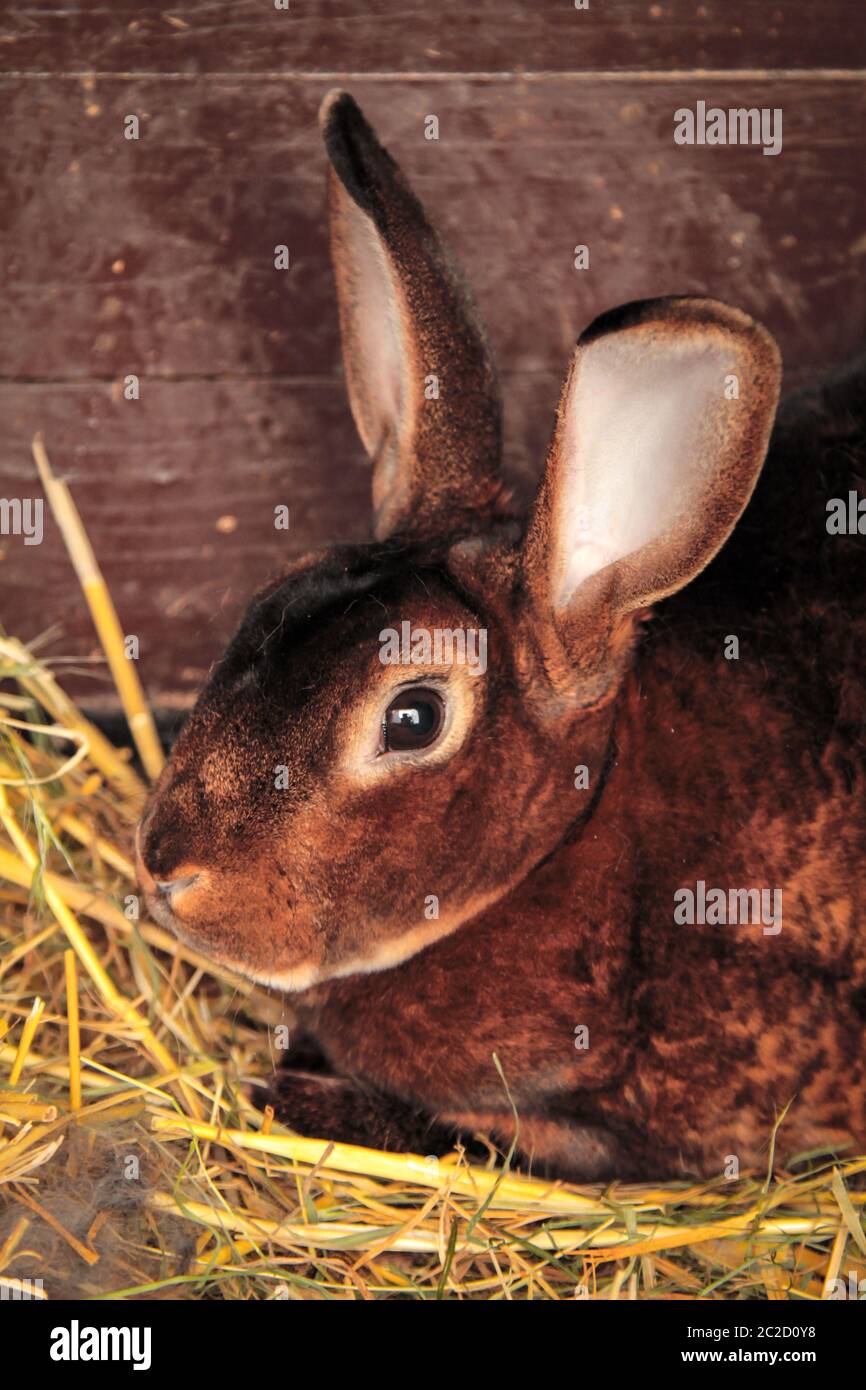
(336, 36)
(156, 258)
(178, 493)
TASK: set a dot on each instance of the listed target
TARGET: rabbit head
(390, 741)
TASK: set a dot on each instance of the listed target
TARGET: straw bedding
(137, 1159)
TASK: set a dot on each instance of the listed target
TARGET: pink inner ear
(633, 448)
(376, 354)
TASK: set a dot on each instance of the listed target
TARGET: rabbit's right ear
(421, 381)
(661, 432)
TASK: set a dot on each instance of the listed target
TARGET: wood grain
(155, 258)
(451, 36)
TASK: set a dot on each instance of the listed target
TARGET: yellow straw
(72, 1020)
(7, 1249)
(835, 1261)
(507, 1191)
(85, 836)
(53, 731)
(89, 1256)
(104, 614)
(92, 903)
(27, 1032)
(118, 1005)
(23, 1108)
(44, 688)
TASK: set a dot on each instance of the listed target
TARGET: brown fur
(555, 904)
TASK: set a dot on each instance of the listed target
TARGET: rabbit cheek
(243, 925)
(245, 918)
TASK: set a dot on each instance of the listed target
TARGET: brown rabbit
(456, 793)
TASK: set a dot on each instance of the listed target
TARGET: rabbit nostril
(171, 887)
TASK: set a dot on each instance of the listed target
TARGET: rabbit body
(746, 772)
(553, 909)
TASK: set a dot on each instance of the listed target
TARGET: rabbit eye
(412, 720)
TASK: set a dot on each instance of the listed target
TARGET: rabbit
(598, 898)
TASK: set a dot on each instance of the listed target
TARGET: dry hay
(137, 1158)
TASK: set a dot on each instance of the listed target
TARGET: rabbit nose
(170, 888)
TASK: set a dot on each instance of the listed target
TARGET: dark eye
(413, 720)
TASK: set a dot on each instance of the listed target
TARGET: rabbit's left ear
(421, 381)
(660, 436)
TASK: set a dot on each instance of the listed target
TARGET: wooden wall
(155, 257)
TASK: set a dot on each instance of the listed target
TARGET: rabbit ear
(660, 436)
(421, 381)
